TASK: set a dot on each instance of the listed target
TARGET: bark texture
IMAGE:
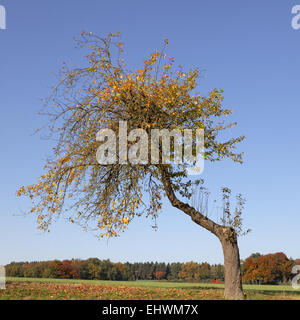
(232, 266)
(226, 235)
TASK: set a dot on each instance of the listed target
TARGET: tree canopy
(99, 95)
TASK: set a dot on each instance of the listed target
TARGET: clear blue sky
(247, 48)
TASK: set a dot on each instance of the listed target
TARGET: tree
(15, 269)
(175, 269)
(189, 271)
(106, 198)
(159, 275)
(271, 268)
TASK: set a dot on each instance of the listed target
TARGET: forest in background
(256, 269)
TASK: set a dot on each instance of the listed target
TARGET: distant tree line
(262, 269)
(94, 268)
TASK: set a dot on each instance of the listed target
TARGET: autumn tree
(268, 269)
(106, 198)
(159, 275)
(189, 271)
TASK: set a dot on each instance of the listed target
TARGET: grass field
(62, 289)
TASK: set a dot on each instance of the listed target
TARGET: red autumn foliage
(270, 268)
(158, 275)
(216, 281)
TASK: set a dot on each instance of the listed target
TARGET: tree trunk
(232, 266)
(226, 234)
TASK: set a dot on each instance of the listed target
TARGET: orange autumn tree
(268, 269)
(106, 198)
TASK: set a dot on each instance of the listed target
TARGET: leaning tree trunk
(227, 236)
(232, 267)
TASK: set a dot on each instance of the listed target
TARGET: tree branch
(195, 215)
